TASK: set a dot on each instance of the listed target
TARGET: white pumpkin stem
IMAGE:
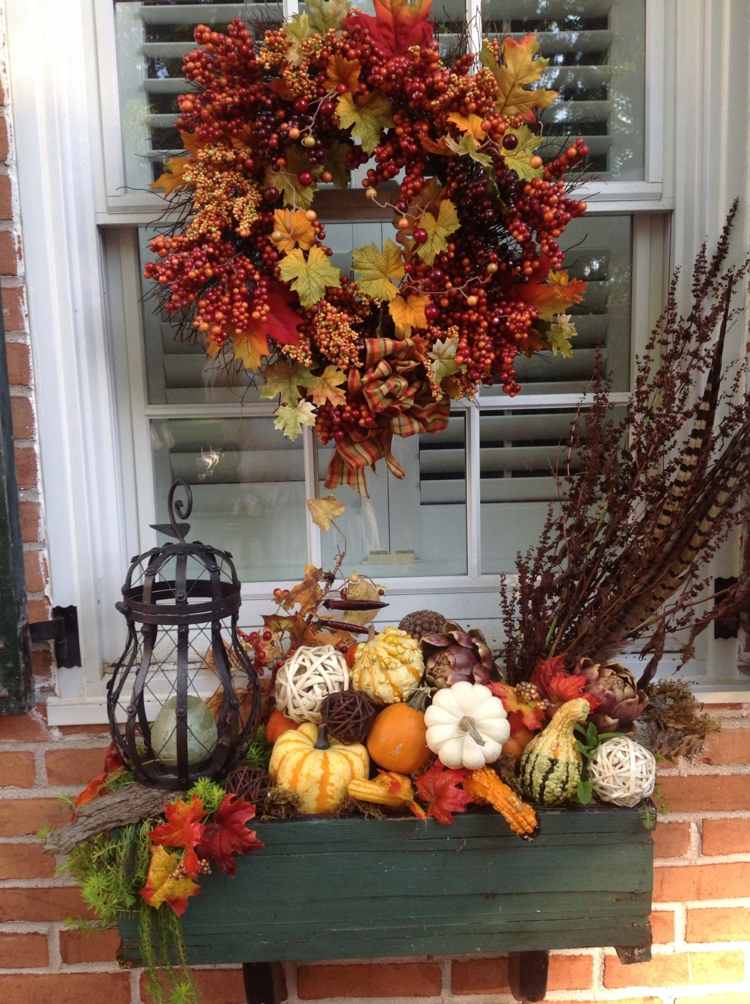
(466, 724)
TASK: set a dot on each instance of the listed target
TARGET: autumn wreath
(474, 276)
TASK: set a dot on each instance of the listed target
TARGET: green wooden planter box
(357, 888)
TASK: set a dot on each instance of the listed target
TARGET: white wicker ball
(307, 678)
(622, 771)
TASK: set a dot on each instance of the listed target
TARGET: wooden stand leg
(528, 975)
(629, 956)
(264, 982)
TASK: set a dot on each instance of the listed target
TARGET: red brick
(726, 836)
(215, 986)
(27, 468)
(23, 951)
(41, 905)
(25, 817)
(570, 972)
(35, 571)
(671, 840)
(85, 730)
(6, 198)
(729, 746)
(31, 522)
(74, 767)
(66, 988)
(662, 927)
(8, 251)
(18, 355)
(690, 968)
(386, 979)
(37, 610)
(13, 310)
(23, 417)
(17, 770)
(22, 728)
(731, 998)
(480, 976)
(720, 881)
(636, 1000)
(78, 947)
(25, 861)
(718, 924)
(704, 792)
(4, 145)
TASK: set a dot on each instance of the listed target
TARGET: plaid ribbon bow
(397, 394)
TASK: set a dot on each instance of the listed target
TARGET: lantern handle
(179, 509)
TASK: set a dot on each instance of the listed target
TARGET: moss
(209, 792)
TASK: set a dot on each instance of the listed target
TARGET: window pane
(248, 489)
(411, 526)
(596, 50)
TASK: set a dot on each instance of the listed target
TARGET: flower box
(358, 888)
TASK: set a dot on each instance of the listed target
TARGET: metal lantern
(180, 705)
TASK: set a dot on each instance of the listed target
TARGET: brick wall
(701, 919)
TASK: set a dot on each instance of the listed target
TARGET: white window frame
(65, 139)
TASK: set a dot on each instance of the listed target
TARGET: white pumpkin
(466, 725)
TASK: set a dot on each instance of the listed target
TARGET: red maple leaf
(227, 834)
(183, 828)
(112, 765)
(397, 25)
(440, 789)
(521, 714)
(558, 685)
(282, 321)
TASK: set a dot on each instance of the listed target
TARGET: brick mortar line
(704, 770)
(690, 817)
(57, 882)
(90, 740)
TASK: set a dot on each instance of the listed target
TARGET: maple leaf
(367, 119)
(227, 834)
(282, 320)
(291, 228)
(519, 158)
(112, 767)
(343, 71)
(290, 419)
(397, 25)
(326, 14)
(439, 228)
(283, 380)
(183, 828)
(166, 884)
(309, 277)
(249, 346)
(173, 178)
(520, 67)
(467, 147)
(443, 356)
(408, 312)
(306, 594)
(440, 790)
(279, 625)
(521, 714)
(297, 31)
(325, 389)
(337, 162)
(560, 335)
(325, 511)
(471, 124)
(553, 296)
(287, 180)
(376, 268)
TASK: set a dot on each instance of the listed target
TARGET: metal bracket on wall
(62, 629)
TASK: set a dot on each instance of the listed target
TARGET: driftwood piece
(128, 805)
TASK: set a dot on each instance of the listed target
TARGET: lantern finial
(177, 508)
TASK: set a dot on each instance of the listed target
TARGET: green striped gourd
(551, 765)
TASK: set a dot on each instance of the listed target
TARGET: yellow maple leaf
(342, 71)
(326, 388)
(519, 159)
(291, 419)
(309, 277)
(173, 177)
(560, 336)
(408, 312)
(375, 269)
(520, 67)
(439, 228)
(291, 228)
(283, 380)
(469, 123)
(367, 120)
(250, 347)
(325, 511)
(164, 884)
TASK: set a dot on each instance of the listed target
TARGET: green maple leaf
(439, 228)
(326, 14)
(283, 380)
(561, 332)
(519, 159)
(376, 268)
(443, 359)
(309, 277)
(467, 147)
(291, 419)
(367, 120)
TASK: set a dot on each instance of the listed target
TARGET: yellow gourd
(485, 786)
(388, 667)
(315, 769)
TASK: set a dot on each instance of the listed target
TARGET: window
(150, 404)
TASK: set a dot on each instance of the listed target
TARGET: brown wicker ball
(349, 715)
(249, 783)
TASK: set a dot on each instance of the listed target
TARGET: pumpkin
(466, 725)
(397, 739)
(315, 769)
(388, 667)
(277, 725)
(550, 767)
(485, 786)
(518, 742)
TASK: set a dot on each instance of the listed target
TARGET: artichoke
(616, 700)
(456, 655)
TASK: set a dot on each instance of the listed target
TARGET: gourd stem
(321, 743)
(466, 724)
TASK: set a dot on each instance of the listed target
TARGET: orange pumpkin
(277, 725)
(397, 739)
(518, 742)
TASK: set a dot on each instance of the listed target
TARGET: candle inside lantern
(201, 731)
